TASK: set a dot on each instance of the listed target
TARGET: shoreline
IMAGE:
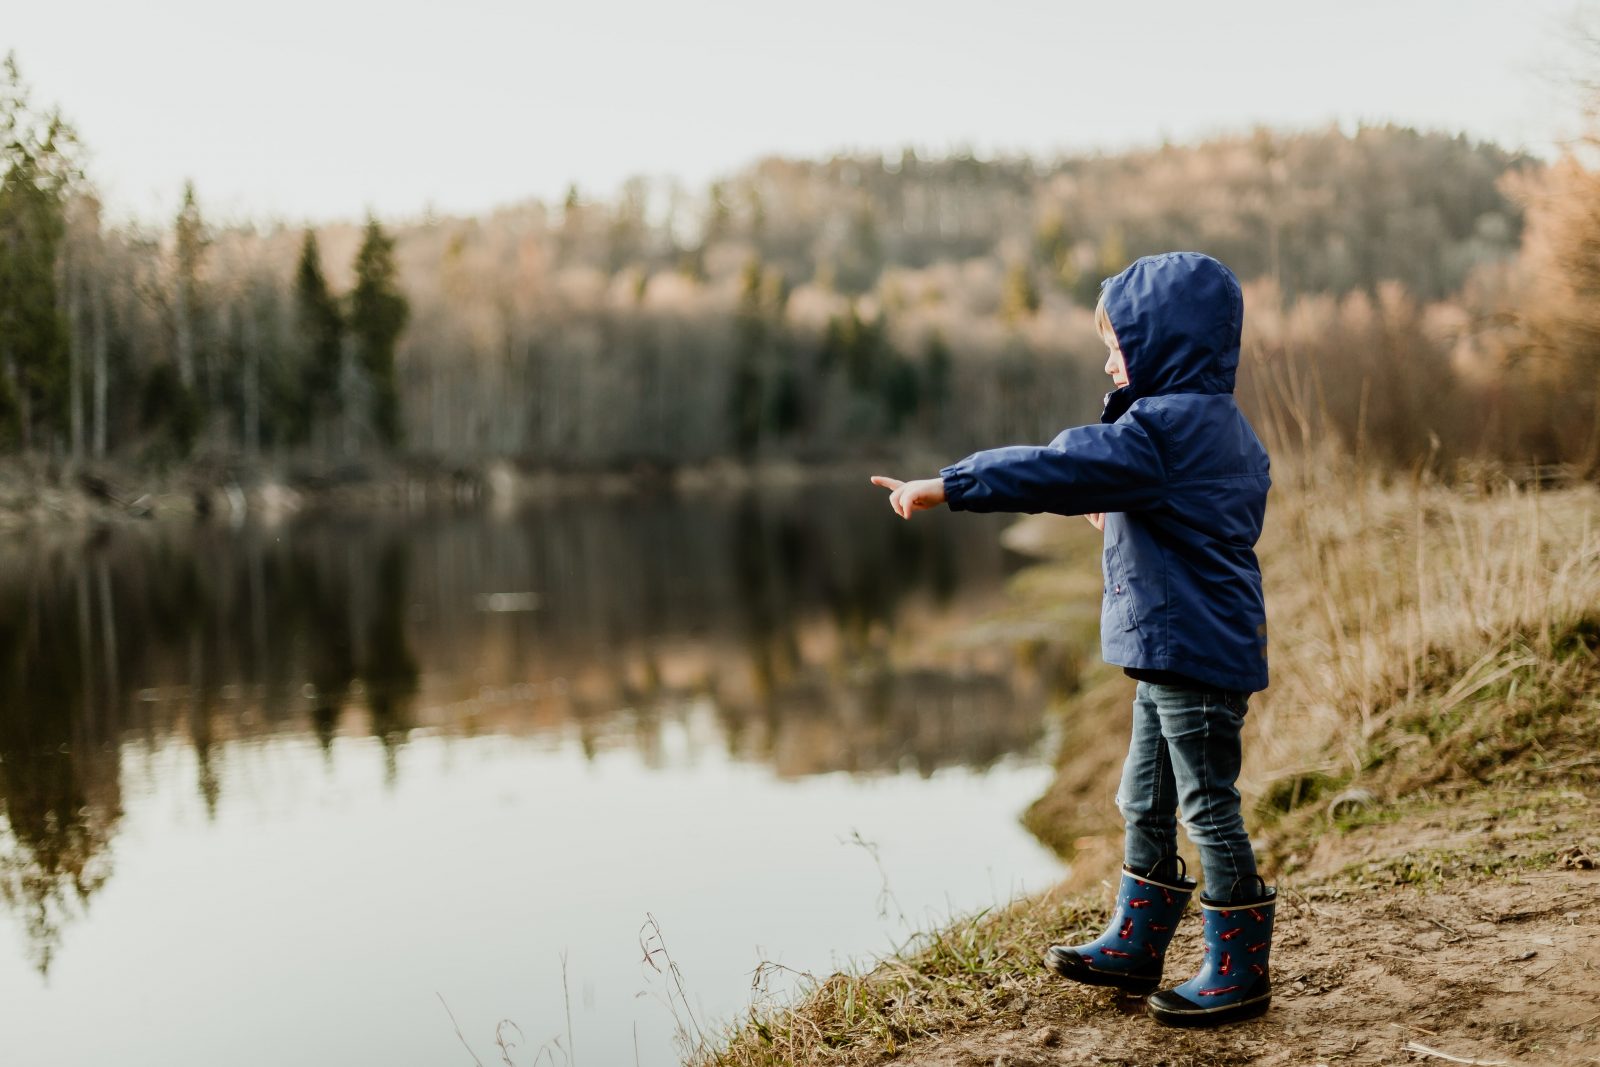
(37, 494)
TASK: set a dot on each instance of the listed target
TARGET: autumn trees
(795, 309)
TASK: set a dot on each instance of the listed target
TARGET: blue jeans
(1184, 755)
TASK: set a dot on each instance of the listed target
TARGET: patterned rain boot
(1233, 982)
(1129, 955)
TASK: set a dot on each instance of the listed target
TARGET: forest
(1414, 292)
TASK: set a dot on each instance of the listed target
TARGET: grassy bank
(1422, 775)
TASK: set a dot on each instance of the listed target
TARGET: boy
(1177, 479)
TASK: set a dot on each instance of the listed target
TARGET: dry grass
(1377, 592)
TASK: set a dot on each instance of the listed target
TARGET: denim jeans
(1184, 756)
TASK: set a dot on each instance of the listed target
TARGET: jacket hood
(1177, 318)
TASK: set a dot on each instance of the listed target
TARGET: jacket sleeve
(1114, 467)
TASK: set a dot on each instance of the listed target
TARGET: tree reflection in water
(798, 619)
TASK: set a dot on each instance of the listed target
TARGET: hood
(1177, 317)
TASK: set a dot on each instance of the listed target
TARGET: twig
(1569, 764)
(457, 1025)
(507, 1046)
(674, 977)
(1295, 893)
(566, 995)
(1424, 1050)
(1418, 1029)
(885, 894)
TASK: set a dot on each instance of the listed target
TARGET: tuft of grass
(974, 969)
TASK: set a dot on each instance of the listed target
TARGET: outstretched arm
(1085, 470)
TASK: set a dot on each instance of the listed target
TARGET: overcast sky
(319, 109)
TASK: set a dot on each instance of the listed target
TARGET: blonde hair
(1102, 322)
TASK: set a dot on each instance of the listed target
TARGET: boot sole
(1087, 975)
(1233, 1013)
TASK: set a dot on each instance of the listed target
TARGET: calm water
(281, 794)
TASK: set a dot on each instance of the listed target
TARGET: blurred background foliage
(1413, 294)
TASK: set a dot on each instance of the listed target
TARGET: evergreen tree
(378, 314)
(169, 411)
(744, 394)
(935, 393)
(899, 389)
(719, 216)
(319, 335)
(570, 237)
(37, 168)
(191, 240)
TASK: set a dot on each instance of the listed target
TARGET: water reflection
(810, 623)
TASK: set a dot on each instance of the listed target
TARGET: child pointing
(1177, 479)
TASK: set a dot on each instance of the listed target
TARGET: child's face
(1115, 365)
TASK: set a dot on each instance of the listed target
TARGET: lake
(328, 790)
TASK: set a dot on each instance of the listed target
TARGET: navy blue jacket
(1178, 471)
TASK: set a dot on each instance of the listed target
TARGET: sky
(319, 110)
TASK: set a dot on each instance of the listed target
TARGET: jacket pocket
(1117, 607)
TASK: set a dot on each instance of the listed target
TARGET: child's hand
(1097, 519)
(906, 497)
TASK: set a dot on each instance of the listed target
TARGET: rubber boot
(1129, 955)
(1233, 983)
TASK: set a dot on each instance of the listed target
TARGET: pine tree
(190, 238)
(37, 168)
(378, 315)
(319, 335)
(935, 392)
(744, 394)
(569, 238)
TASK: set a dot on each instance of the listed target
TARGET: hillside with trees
(797, 310)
